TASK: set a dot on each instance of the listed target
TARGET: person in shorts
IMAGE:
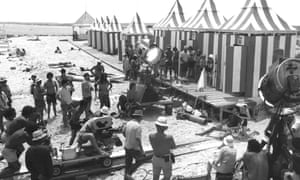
(51, 88)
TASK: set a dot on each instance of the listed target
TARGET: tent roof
(136, 27)
(174, 19)
(206, 18)
(114, 25)
(257, 17)
(86, 18)
(104, 23)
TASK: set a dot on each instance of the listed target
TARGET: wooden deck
(211, 96)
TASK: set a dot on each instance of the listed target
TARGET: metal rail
(98, 170)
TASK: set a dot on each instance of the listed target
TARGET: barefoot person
(87, 89)
(162, 144)
(51, 88)
(97, 72)
(64, 96)
(39, 102)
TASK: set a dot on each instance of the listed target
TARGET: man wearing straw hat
(38, 158)
(162, 144)
(225, 162)
(133, 142)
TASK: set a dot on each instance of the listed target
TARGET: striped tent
(134, 32)
(248, 44)
(105, 24)
(200, 30)
(165, 31)
(82, 26)
(112, 37)
(99, 31)
(93, 32)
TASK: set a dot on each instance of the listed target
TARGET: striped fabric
(257, 17)
(114, 25)
(104, 24)
(207, 18)
(174, 19)
(136, 27)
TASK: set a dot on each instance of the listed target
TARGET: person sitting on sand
(57, 50)
(91, 128)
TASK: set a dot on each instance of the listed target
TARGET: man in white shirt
(133, 142)
(64, 96)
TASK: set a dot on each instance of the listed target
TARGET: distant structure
(81, 27)
(4, 43)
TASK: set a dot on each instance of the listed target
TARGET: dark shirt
(161, 143)
(233, 121)
(16, 124)
(256, 165)
(17, 139)
(38, 161)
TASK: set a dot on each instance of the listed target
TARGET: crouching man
(162, 144)
(92, 127)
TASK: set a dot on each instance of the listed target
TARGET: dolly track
(101, 170)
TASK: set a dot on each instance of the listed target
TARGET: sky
(151, 11)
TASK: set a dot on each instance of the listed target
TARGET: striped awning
(136, 27)
(114, 25)
(174, 19)
(257, 17)
(104, 24)
(207, 18)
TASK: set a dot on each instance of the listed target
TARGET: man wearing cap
(92, 127)
(225, 162)
(133, 142)
(38, 158)
(162, 145)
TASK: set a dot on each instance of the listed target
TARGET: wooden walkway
(211, 96)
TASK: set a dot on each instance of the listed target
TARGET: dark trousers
(131, 154)
(222, 176)
(104, 100)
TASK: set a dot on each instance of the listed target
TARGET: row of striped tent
(132, 34)
(248, 44)
(111, 36)
(200, 31)
(165, 31)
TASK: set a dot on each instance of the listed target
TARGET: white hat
(287, 111)
(138, 112)
(161, 121)
(211, 56)
(184, 104)
(228, 140)
(38, 135)
(104, 110)
(189, 109)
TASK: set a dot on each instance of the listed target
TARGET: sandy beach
(41, 53)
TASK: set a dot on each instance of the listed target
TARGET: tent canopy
(206, 18)
(174, 19)
(136, 27)
(85, 19)
(114, 25)
(257, 17)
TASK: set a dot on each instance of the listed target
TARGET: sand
(40, 53)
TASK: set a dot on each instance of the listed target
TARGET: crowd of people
(173, 63)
